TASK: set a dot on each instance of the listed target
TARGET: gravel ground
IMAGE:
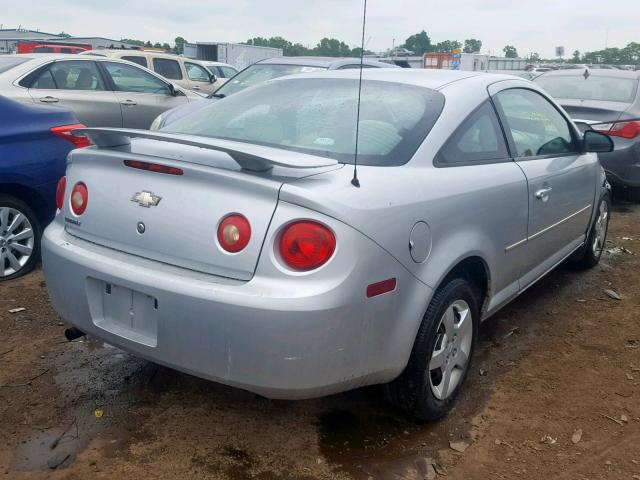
(554, 392)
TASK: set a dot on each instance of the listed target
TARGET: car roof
(326, 62)
(428, 78)
(218, 64)
(595, 72)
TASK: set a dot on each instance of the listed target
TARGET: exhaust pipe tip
(73, 333)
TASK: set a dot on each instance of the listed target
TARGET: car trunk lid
(173, 218)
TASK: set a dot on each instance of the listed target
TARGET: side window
(478, 139)
(354, 66)
(227, 72)
(136, 59)
(70, 75)
(167, 68)
(66, 50)
(196, 72)
(128, 78)
(44, 81)
(536, 127)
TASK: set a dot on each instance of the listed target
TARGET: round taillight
(234, 233)
(306, 245)
(79, 198)
(60, 189)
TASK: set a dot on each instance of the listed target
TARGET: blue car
(34, 143)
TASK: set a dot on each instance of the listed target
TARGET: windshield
(260, 73)
(609, 89)
(318, 117)
(9, 63)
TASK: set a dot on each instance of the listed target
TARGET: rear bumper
(291, 339)
(623, 165)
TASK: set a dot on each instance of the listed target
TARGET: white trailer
(236, 54)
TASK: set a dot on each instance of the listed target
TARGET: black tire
(589, 255)
(412, 390)
(23, 208)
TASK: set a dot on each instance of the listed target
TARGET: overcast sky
(530, 25)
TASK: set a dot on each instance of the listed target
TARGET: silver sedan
(101, 92)
(238, 244)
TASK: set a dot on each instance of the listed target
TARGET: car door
(480, 176)
(200, 78)
(79, 86)
(142, 95)
(561, 179)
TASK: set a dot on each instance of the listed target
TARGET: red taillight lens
(64, 131)
(79, 198)
(153, 167)
(60, 189)
(234, 233)
(628, 130)
(306, 245)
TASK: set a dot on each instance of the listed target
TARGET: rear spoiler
(249, 156)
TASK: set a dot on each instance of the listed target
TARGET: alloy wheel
(451, 350)
(17, 241)
(601, 226)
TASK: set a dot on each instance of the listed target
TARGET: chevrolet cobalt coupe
(235, 245)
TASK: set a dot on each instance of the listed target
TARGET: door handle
(129, 103)
(543, 193)
(49, 99)
(196, 87)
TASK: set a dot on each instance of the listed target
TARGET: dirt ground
(554, 393)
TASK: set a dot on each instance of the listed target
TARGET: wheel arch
(474, 269)
(32, 197)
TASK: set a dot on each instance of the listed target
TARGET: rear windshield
(260, 73)
(10, 62)
(610, 89)
(318, 117)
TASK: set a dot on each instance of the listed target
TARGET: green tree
(510, 51)
(472, 45)
(576, 57)
(534, 57)
(64, 35)
(447, 46)
(419, 43)
(179, 44)
(332, 47)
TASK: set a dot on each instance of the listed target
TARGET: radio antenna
(354, 181)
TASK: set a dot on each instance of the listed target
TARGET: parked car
(34, 143)
(222, 71)
(185, 72)
(233, 244)
(269, 69)
(39, 47)
(609, 102)
(100, 91)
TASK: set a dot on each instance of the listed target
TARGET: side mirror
(213, 78)
(172, 90)
(596, 142)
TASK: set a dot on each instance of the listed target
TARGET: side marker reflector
(379, 288)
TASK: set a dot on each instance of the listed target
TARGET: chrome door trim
(545, 230)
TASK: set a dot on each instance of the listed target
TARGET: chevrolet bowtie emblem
(146, 199)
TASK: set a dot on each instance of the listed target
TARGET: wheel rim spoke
(18, 218)
(438, 359)
(25, 234)
(4, 219)
(21, 249)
